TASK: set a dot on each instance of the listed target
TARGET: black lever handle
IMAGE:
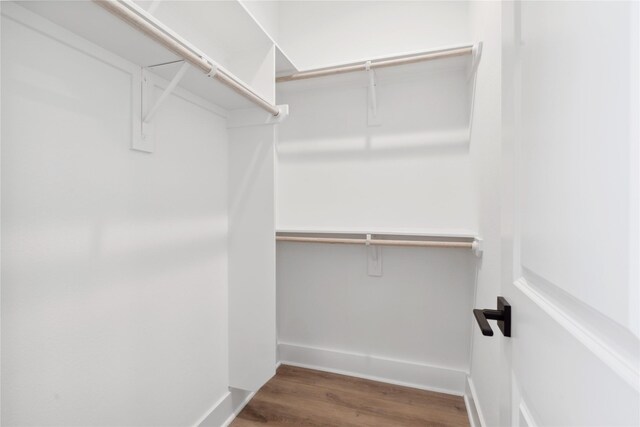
(502, 315)
(482, 322)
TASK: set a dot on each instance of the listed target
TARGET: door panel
(575, 146)
(570, 217)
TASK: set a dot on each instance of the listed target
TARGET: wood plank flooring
(304, 397)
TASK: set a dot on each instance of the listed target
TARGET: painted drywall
(114, 278)
(411, 171)
(316, 33)
(410, 325)
(486, 359)
(252, 285)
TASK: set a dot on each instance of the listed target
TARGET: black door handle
(502, 315)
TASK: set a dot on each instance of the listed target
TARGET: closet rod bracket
(476, 54)
(167, 91)
(374, 258)
(477, 246)
(372, 97)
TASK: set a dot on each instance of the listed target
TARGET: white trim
(239, 409)
(620, 363)
(223, 412)
(212, 409)
(467, 405)
(526, 414)
(476, 404)
(375, 368)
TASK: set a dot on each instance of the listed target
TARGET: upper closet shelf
(128, 30)
(284, 64)
(456, 66)
(464, 54)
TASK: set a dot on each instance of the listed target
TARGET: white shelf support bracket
(476, 54)
(144, 137)
(374, 258)
(477, 246)
(472, 77)
(167, 91)
(148, 107)
(372, 101)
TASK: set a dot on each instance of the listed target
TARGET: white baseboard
(471, 402)
(225, 410)
(393, 371)
(473, 416)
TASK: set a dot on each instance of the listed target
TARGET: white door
(570, 213)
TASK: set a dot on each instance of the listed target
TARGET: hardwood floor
(304, 397)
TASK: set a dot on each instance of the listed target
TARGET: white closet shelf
(384, 237)
(92, 22)
(284, 64)
(453, 233)
(466, 55)
(452, 67)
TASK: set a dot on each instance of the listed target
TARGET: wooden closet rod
(382, 242)
(390, 62)
(145, 23)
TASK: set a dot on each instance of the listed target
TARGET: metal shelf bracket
(149, 108)
(372, 98)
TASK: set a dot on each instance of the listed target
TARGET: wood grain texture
(304, 397)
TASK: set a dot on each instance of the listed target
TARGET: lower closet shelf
(460, 240)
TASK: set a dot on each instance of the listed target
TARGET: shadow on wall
(327, 300)
(251, 172)
(103, 256)
(370, 146)
(423, 113)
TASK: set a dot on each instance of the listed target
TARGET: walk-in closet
(319, 213)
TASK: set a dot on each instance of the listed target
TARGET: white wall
(114, 262)
(486, 358)
(317, 33)
(252, 281)
(414, 172)
(409, 326)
